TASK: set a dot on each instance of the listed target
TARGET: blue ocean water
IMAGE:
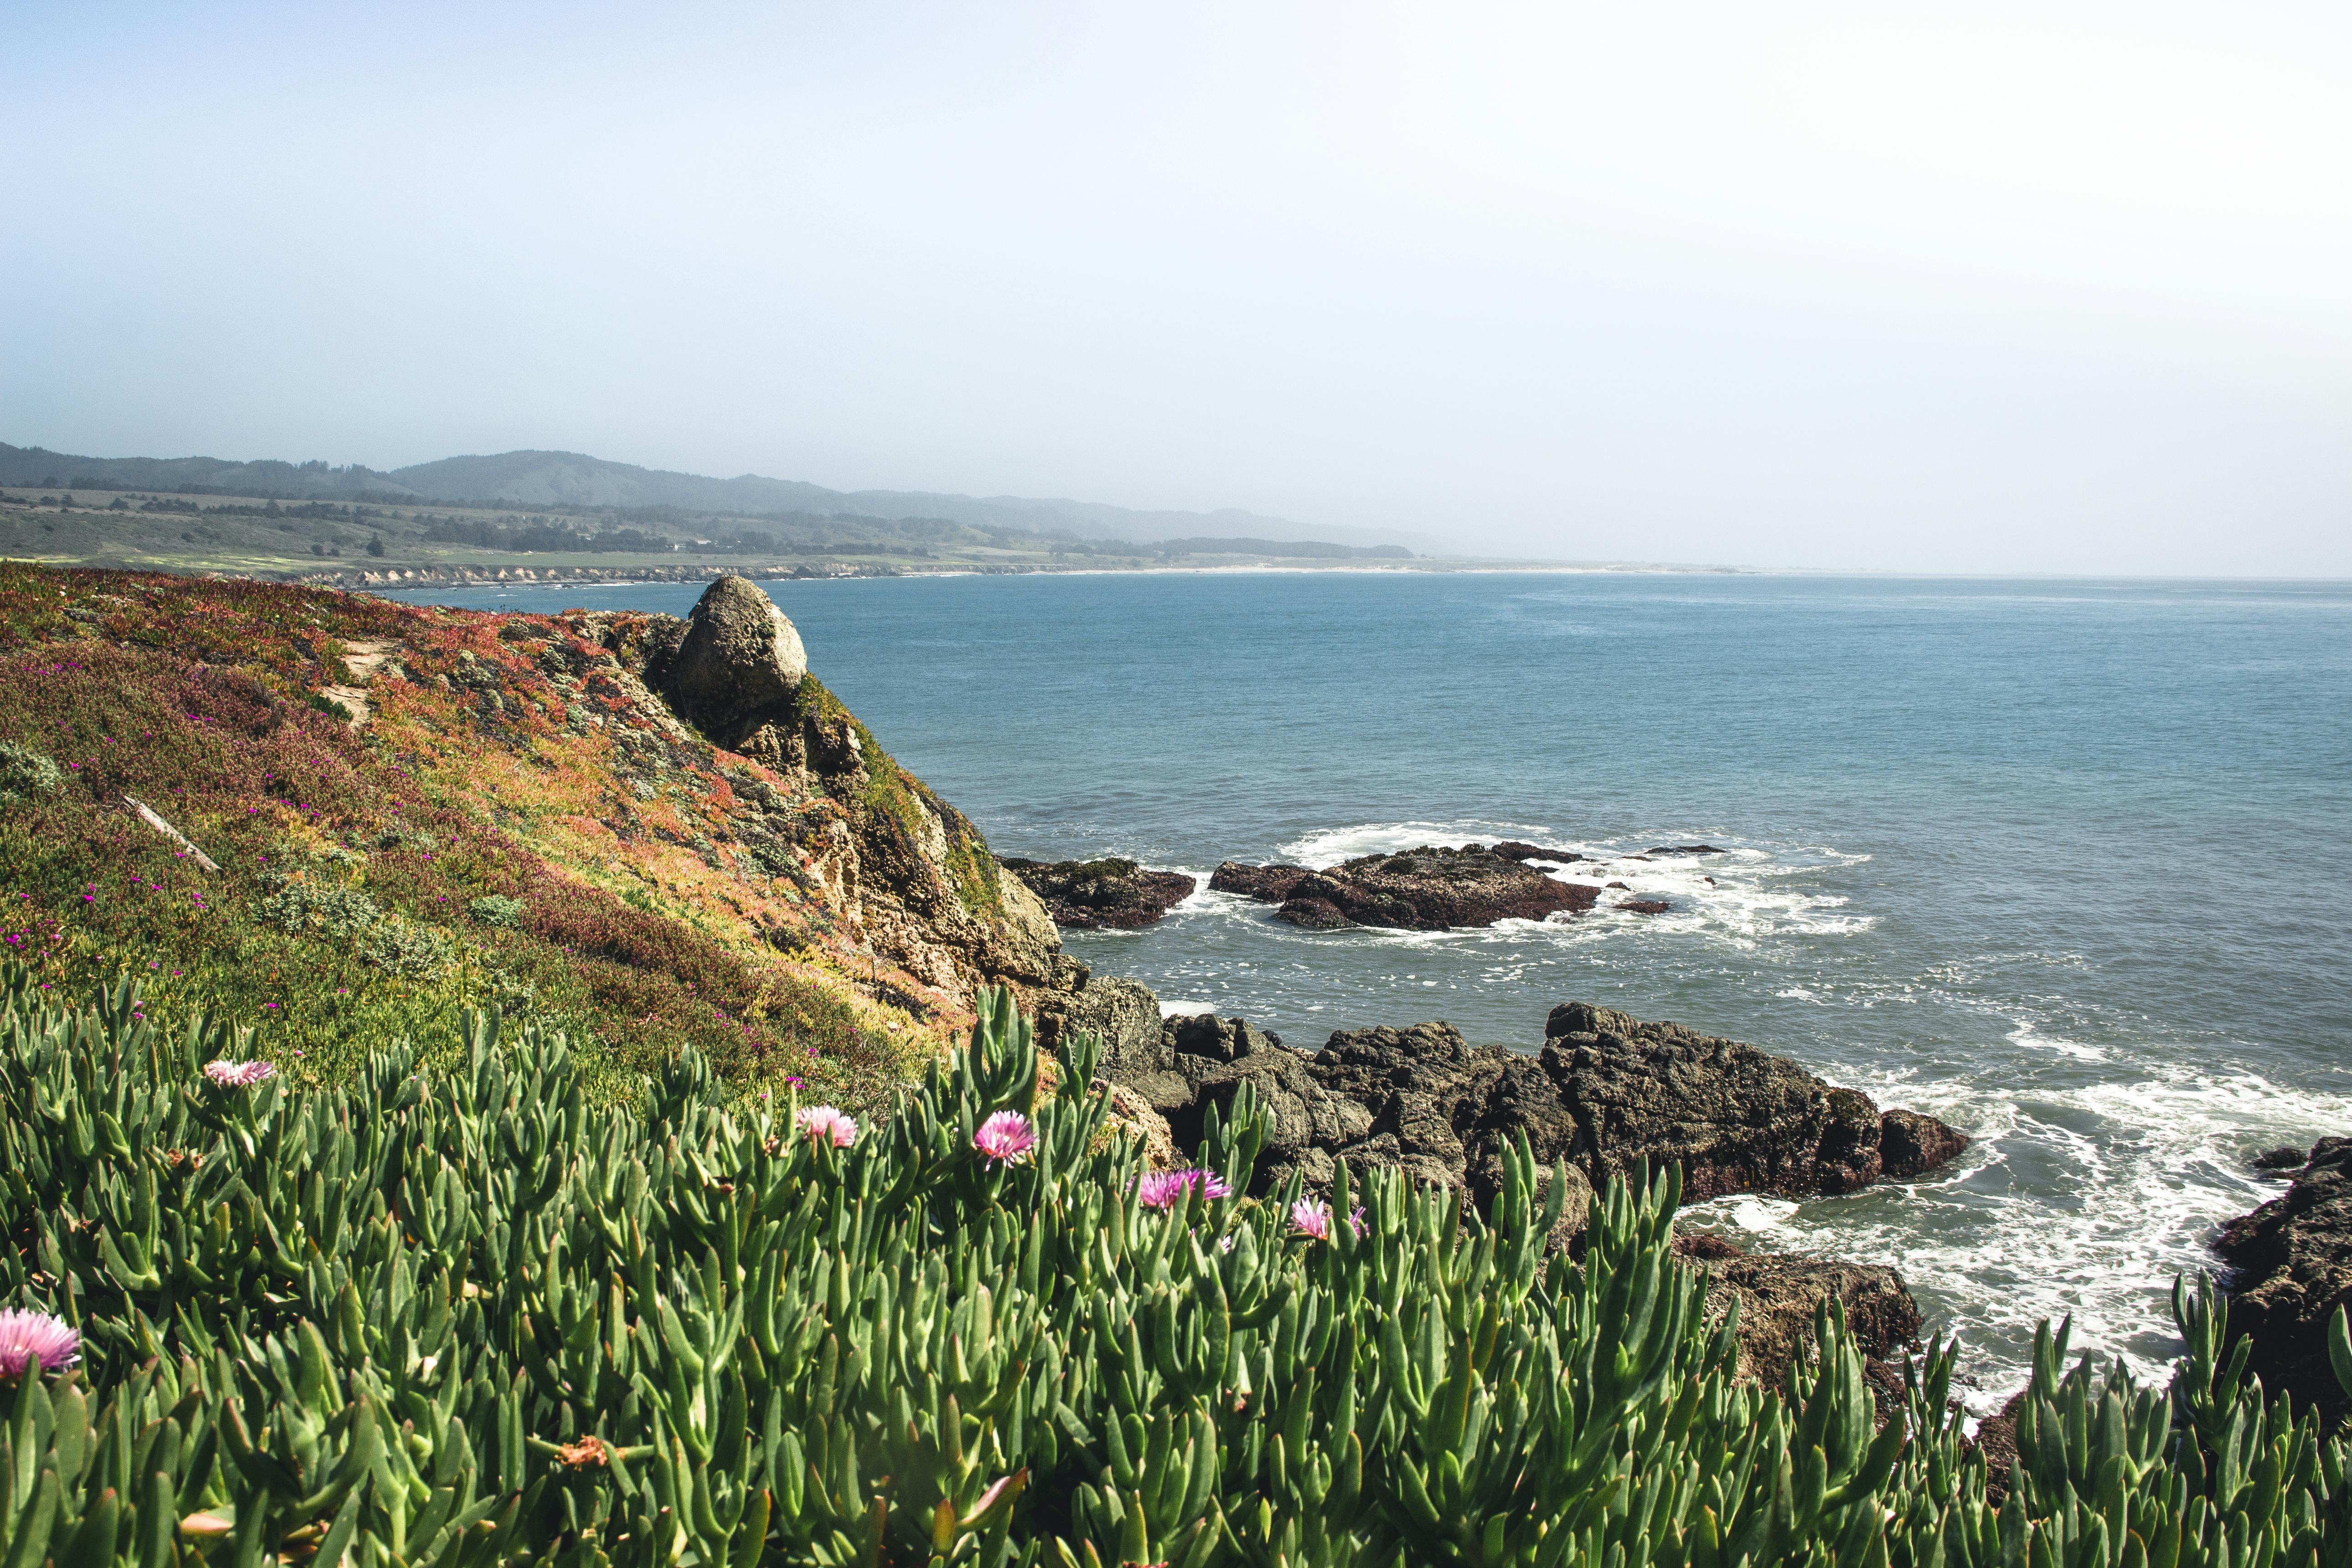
(2068, 863)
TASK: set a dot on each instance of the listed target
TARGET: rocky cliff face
(901, 870)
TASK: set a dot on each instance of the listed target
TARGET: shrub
(463, 1317)
(398, 945)
(329, 910)
(497, 910)
(27, 774)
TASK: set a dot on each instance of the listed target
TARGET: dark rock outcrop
(2292, 1259)
(1687, 849)
(1736, 1118)
(1608, 1095)
(1428, 888)
(1109, 893)
(1778, 1295)
(1512, 849)
(2281, 1159)
(1643, 906)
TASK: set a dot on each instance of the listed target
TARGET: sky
(2041, 287)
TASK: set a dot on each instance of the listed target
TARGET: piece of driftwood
(147, 815)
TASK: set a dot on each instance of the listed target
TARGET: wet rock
(1105, 894)
(1778, 1294)
(1311, 912)
(1996, 1439)
(1429, 888)
(1688, 849)
(2281, 1159)
(1643, 906)
(2291, 1262)
(1736, 1118)
(1910, 1144)
(1512, 849)
(1267, 884)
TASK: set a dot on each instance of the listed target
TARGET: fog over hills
(573, 480)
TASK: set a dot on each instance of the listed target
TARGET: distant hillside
(571, 479)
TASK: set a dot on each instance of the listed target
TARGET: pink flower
(1163, 1189)
(238, 1075)
(1005, 1137)
(36, 1341)
(1311, 1217)
(828, 1124)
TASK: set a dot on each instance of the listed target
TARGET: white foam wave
(1329, 846)
(2083, 1201)
(1742, 897)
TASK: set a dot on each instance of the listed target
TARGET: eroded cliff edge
(895, 867)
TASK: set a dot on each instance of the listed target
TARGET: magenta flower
(1163, 1189)
(1006, 1137)
(829, 1124)
(1311, 1217)
(36, 1341)
(240, 1075)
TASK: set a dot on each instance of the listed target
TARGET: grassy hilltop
(515, 823)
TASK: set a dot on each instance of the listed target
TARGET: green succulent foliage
(461, 1316)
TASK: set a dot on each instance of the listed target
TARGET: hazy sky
(1985, 286)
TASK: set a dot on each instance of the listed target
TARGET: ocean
(2068, 863)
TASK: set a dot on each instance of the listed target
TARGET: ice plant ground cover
(481, 841)
(466, 1314)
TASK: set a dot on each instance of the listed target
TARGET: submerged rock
(1105, 894)
(1429, 888)
(2292, 1258)
(1642, 906)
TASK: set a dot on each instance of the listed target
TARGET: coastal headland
(660, 828)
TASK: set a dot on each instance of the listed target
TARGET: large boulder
(2292, 1259)
(1429, 888)
(1107, 894)
(739, 660)
(1122, 1014)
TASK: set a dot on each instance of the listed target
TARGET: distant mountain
(217, 476)
(571, 479)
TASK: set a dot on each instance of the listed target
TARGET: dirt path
(363, 659)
